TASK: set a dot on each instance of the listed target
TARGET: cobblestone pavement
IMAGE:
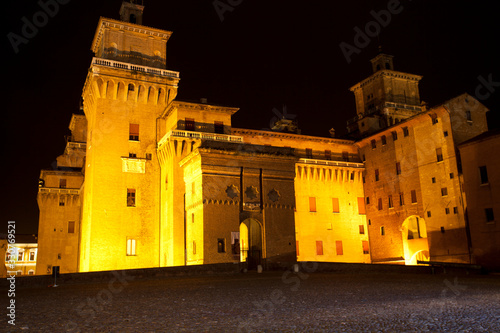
(267, 302)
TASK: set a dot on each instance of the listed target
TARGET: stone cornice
(105, 23)
(270, 134)
(387, 73)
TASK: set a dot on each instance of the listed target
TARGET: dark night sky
(263, 55)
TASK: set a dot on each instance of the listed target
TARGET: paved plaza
(267, 302)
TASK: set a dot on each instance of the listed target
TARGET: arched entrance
(415, 244)
(251, 243)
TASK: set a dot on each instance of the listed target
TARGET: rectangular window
(132, 155)
(452, 175)
(490, 217)
(361, 206)
(384, 140)
(374, 144)
(434, 118)
(345, 156)
(319, 248)
(61, 201)
(398, 168)
(131, 246)
(361, 229)
(455, 210)
(428, 213)
(32, 256)
(367, 200)
(377, 175)
(366, 247)
(194, 247)
(221, 245)
(391, 204)
(312, 204)
(189, 124)
(62, 183)
(413, 196)
(401, 199)
(439, 154)
(394, 135)
(71, 227)
(148, 157)
(335, 205)
(309, 153)
(447, 210)
(445, 133)
(340, 249)
(219, 127)
(328, 154)
(130, 197)
(444, 191)
(406, 132)
(442, 230)
(382, 231)
(133, 132)
(380, 206)
(433, 180)
(20, 256)
(483, 172)
(468, 115)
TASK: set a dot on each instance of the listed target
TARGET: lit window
(439, 154)
(335, 205)
(32, 255)
(130, 197)
(133, 134)
(20, 256)
(319, 248)
(483, 172)
(413, 196)
(131, 247)
(340, 249)
(71, 227)
(490, 217)
(312, 204)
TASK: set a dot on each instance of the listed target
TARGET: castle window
(61, 201)
(434, 118)
(132, 155)
(62, 183)
(377, 175)
(490, 217)
(433, 180)
(32, 256)
(309, 153)
(413, 196)
(335, 205)
(401, 199)
(452, 175)
(221, 245)
(71, 227)
(483, 173)
(340, 249)
(439, 154)
(131, 247)
(428, 213)
(328, 154)
(319, 248)
(189, 124)
(455, 210)
(468, 115)
(219, 127)
(312, 204)
(345, 156)
(398, 168)
(444, 191)
(148, 156)
(406, 132)
(20, 255)
(394, 135)
(374, 144)
(367, 200)
(361, 206)
(391, 204)
(131, 87)
(445, 133)
(133, 133)
(442, 230)
(194, 247)
(382, 231)
(366, 247)
(361, 229)
(447, 210)
(384, 140)
(130, 197)
(380, 206)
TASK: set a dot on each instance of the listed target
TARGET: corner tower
(126, 91)
(384, 98)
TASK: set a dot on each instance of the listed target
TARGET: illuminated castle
(149, 181)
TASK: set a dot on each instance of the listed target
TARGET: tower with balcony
(383, 99)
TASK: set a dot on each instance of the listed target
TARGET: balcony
(132, 67)
(48, 190)
(332, 163)
(200, 135)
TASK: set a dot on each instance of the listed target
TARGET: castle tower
(384, 98)
(126, 91)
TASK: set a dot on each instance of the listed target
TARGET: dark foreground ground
(271, 301)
